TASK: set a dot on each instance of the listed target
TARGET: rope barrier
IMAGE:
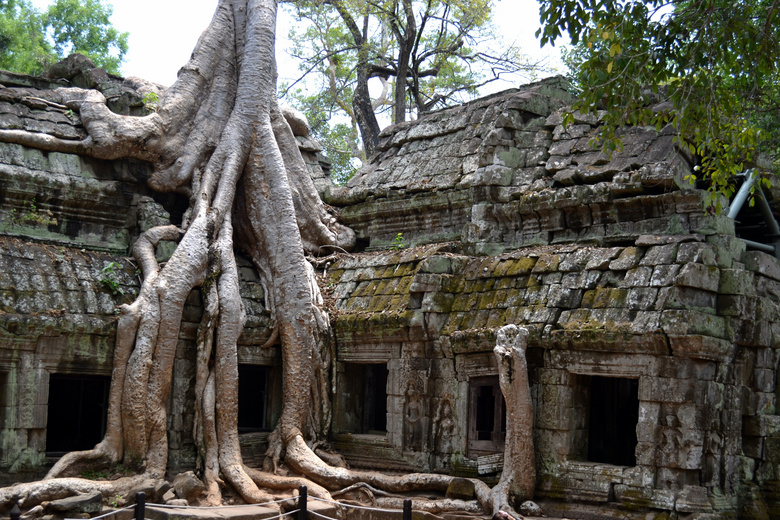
(168, 506)
(288, 513)
(315, 513)
(355, 506)
(106, 515)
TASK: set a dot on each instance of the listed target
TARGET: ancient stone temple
(654, 330)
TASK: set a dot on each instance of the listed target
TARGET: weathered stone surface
(460, 488)
(188, 486)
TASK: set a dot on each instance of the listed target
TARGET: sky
(163, 34)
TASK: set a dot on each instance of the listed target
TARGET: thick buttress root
(518, 479)
(219, 137)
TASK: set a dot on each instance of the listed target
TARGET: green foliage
(32, 216)
(398, 242)
(23, 47)
(30, 40)
(151, 101)
(94, 475)
(110, 278)
(211, 278)
(339, 138)
(710, 68)
(446, 47)
(84, 26)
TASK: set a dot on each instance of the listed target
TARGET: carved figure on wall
(414, 411)
(444, 426)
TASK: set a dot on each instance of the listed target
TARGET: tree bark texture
(518, 479)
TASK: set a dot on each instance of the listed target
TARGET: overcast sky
(164, 32)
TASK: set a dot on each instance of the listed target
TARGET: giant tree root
(518, 479)
(31, 494)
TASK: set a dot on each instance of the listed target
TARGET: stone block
(663, 254)
(678, 367)
(666, 390)
(641, 298)
(762, 263)
(664, 275)
(738, 306)
(646, 453)
(753, 447)
(581, 280)
(493, 175)
(436, 265)
(567, 177)
(645, 497)
(691, 322)
(546, 263)
(460, 488)
(700, 347)
(697, 252)
(570, 132)
(764, 380)
(693, 499)
(750, 333)
(601, 259)
(686, 298)
(559, 296)
(647, 432)
(557, 162)
(728, 249)
(707, 224)
(698, 276)
(766, 287)
(422, 282)
(765, 358)
(737, 281)
(637, 277)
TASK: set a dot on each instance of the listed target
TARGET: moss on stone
(520, 266)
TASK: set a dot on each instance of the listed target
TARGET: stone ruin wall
(613, 263)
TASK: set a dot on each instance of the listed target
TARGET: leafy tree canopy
(421, 55)
(712, 65)
(31, 40)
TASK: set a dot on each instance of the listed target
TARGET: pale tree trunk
(218, 137)
(518, 479)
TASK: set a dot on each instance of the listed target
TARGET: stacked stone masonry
(628, 285)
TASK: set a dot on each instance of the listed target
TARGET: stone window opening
(77, 411)
(363, 399)
(613, 414)
(487, 417)
(258, 395)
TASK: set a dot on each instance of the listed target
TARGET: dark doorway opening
(487, 416)
(77, 408)
(257, 394)
(614, 414)
(365, 398)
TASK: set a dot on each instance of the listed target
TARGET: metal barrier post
(302, 506)
(140, 505)
(407, 509)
